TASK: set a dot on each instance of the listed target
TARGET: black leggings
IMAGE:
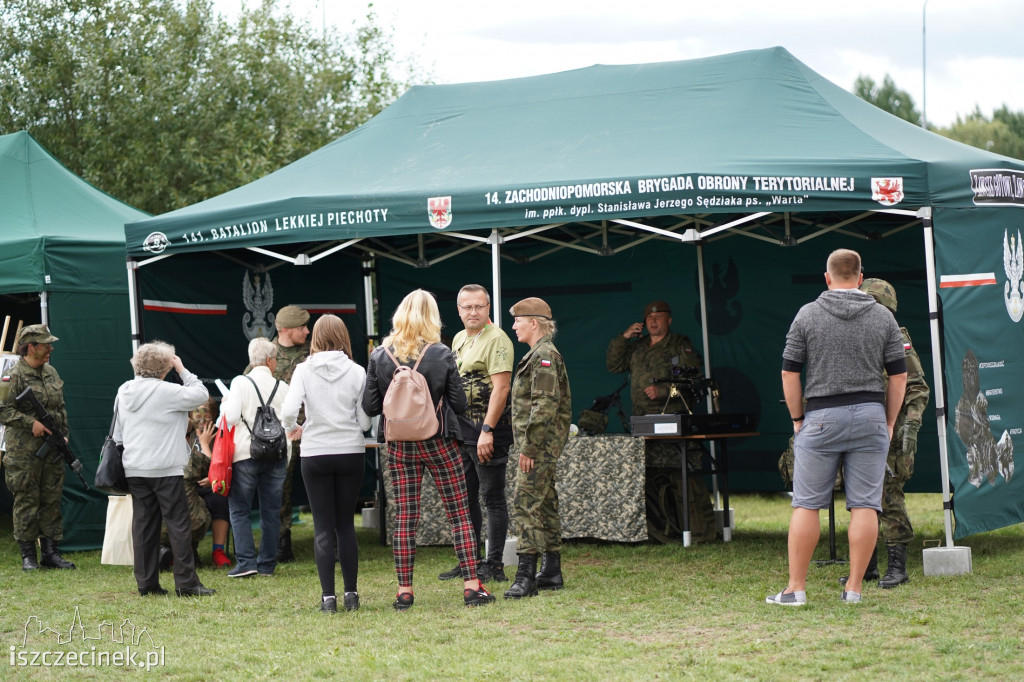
(332, 485)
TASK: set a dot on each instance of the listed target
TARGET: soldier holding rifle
(37, 484)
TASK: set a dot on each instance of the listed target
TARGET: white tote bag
(118, 549)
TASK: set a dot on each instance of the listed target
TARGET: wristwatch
(486, 428)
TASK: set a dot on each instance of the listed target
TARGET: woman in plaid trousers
(416, 332)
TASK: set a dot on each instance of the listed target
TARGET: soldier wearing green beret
(541, 410)
(36, 484)
(292, 323)
(655, 356)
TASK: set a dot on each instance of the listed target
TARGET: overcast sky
(975, 50)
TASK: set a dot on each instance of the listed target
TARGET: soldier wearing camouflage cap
(541, 410)
(37, 484)
(655, 356)
(894, 523)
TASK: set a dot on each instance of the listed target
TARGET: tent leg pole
(371, 318)
(707, 374)
(495, 241)
(44, 307)
(948, 560)
(133, 303)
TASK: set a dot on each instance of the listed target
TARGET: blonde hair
(153, 360)
(416, 322)
(330, 333)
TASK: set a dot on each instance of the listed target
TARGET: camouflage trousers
(664, 492)
(535, 508)
(286, 492)
(894, 524)
(37, 486)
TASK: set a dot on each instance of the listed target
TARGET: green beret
(292, 316)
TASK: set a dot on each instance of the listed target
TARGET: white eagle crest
(1013, 262)
(258, 300)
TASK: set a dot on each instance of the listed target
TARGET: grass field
(628, 612)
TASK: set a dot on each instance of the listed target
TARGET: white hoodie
(330, 385)
(152, 416)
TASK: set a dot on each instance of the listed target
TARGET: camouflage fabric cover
(37, 485)
(600, 484)
(645, 362)
(478, 357)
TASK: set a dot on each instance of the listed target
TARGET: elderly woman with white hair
(251, 477)
(152, 416)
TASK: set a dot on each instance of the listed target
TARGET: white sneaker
(787, 599)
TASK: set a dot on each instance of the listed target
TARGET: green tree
(164, 103)
(887, 97)
(1002, 134)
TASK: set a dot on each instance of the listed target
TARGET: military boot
(51, 557)
(870, 573)
(28, 556)
(550, 575)
(896, 572)
(284, 547)
(525, 584)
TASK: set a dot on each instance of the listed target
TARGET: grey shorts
(852, 435)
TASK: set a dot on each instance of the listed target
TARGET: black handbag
(110, 476)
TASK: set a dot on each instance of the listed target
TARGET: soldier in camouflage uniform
(541, 410)
(37, 485)
(655, 357)
(899, 467)
(292, 323)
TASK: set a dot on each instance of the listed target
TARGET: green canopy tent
(63, 239)
(523, 179)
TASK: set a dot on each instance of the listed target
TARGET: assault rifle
(594, 420)
(688, 380)
(53, 439)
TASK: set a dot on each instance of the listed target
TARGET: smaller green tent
(62, 238)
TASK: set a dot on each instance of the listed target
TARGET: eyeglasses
(473, 308)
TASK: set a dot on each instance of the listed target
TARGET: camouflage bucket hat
(882, 292)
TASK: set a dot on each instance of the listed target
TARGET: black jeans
(332, 485)
(488, 479)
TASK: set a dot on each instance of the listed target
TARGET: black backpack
(268, 442)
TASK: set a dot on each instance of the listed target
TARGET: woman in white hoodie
(152, 415)
(330, 385)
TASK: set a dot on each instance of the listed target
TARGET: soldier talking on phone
(658, 354)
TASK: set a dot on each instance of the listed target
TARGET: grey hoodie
(330, 385)
(845, 340)
(152, 416)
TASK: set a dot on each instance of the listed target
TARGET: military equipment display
(53, 439)
(594, 420)
(688, 382)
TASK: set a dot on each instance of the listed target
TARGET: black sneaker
(404, 601)
(452, 574)
(491, 571)
(351, 601)
(329, 605)
(477, 597)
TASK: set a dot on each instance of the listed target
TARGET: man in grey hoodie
(845, 340)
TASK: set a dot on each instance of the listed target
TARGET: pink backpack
(409, 412)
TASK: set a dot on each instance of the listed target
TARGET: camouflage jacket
(916, 398)
(645, 362)
(18, 416)
(541, 402)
